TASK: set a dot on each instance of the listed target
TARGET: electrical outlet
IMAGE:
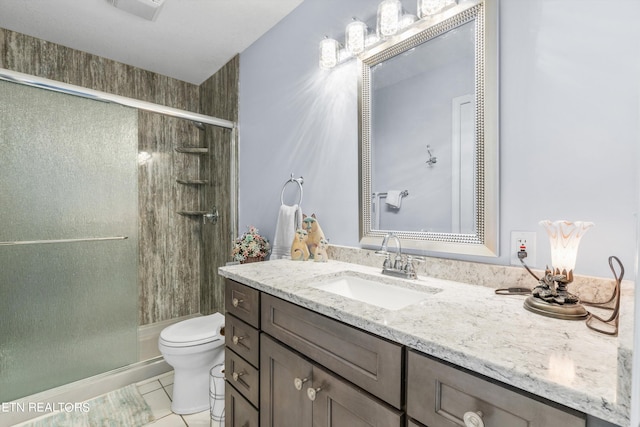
(523, 240)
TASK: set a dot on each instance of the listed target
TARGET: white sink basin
(374, 292)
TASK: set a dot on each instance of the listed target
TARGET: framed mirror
(428, 125)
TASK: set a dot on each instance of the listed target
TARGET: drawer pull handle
(236, 375)
(236, 302)
(236, 339)
(473, 419)
(297, 383)
(312, 392)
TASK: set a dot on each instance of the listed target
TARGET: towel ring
(298, 181)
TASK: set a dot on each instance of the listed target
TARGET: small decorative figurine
(299, 249)
(315, 234)
(320, 254)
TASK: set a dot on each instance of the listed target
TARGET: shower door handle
(211, 216)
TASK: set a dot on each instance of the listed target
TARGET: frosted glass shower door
(68, 239)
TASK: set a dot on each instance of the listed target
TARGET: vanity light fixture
(391, 20)
(551, 298)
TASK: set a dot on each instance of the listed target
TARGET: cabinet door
(238, 412)
(339, 404)
(284, 379)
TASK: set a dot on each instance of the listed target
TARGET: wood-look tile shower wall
(170, 253)
(218, 98)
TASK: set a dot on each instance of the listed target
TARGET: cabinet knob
(297, 383)
(236, 375)
(236, 339)
(312, 392)
(235, 302)
(473, 419)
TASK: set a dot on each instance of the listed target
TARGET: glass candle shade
(389, 16)
(564, 237)
(329, 51)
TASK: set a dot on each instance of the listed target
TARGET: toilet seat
(192, 332)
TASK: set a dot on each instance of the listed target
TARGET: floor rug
(119, 408)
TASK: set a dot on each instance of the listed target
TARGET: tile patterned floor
(158, 392)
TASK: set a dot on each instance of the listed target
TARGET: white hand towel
(289, 220)
(394, 199)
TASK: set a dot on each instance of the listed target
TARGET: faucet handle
(387, 259)
(410, 267)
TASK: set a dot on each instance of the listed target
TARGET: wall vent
(147, 9)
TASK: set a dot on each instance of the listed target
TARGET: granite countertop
(472, 327)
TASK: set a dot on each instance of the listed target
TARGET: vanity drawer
(438, 395)
(241, 375)
(238, 411)
(242, 339)
(243, 302)
(370, 362)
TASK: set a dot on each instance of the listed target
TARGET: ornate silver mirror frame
(484, 240)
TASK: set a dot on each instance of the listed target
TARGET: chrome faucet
(400, 268)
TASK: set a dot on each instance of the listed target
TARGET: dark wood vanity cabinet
(287, 366)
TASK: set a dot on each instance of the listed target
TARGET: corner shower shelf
(192, 181)
(192, 213)
(192, 150)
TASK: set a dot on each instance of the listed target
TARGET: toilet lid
(199, 330)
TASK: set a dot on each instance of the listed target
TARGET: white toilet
(192, 347)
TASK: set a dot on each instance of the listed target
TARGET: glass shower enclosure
(68, 239)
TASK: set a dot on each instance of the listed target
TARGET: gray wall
(569, 91)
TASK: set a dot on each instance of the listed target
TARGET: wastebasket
(216, 395)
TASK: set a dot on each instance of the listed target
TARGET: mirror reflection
(422, 137)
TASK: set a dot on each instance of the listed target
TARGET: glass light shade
(427, 8)
(565, 238)
(389, 16)
(355, 37)
(329, 53)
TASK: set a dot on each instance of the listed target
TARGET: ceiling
(188, 40)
